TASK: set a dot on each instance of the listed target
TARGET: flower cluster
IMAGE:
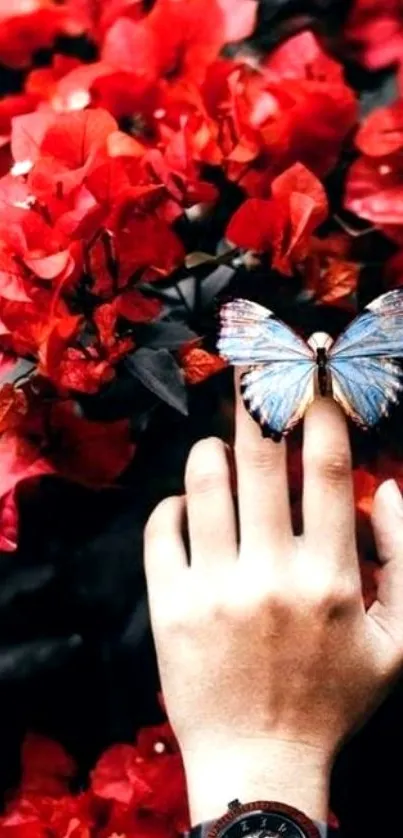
(167, 159)
(135, 791)
(109, 169)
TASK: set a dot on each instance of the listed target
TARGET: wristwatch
(261, 819)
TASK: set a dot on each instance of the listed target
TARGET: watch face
(264, 820)
(264, 825)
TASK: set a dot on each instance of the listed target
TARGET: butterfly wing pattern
(366, 379)
(280, 382)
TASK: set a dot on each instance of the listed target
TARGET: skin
(267, 657)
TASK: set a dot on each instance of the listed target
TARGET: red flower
(46, 767)
(96, 16)
(43, 83)
(92, 453)
(11, 107)
(374, 32)
(19, 461)
(374, 185)
(145, 244)
(178, 38)
(282, 225)
(197, 364)
(26, 27)
(329, 274)
(117, 776)
(374, 191)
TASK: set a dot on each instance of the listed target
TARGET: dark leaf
(166, 334)
(159, 372)
(213, 284)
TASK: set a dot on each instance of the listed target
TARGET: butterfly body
(359, 369)
(321, 342)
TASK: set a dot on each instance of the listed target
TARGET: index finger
(264, 509)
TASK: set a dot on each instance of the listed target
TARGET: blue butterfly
(358, 369)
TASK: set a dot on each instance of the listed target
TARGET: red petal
(19, 461)
(13, 279)
(374, 191)
(132, 47)
(198, 364)
(251, 225)
(382, 131)
(137, 308)
(93, 453)
(74, 136)
(118, 776)
(27, 134)
(302, 57)
(13, 407)
(50, 267)
(299, 179)
(24, 31)
(239, 18)
(46, 766)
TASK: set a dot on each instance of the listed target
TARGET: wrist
(289, 772)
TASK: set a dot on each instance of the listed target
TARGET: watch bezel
(272, 806)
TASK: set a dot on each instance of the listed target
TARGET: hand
(267, 657)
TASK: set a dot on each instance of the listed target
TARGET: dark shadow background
(77, 659)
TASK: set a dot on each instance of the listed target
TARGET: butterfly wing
(277, 394)
(250, 334)
(366, 380)
(365, 387)
(280, 384)
(378, 331)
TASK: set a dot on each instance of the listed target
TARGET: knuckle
(259, 458)
(335, 468)
(333, 595)
(206, 467)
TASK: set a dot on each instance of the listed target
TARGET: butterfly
(358, 369)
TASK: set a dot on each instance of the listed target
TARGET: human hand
(267, 657)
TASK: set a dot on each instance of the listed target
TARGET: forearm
(294, 774)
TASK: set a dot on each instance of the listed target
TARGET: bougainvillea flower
(29, 244)
(374, 32)
(311, 111)
(12, 106)
(177, 172)
(198, 364)
(45, 82)
(47, 768)
(13, 407)
(296, 108)
(179, 38)
(74, 143)
(374, 191)
(91, 453)
(26, 27)
(96, 16)
(19, 461)
(27, 134)
(381, 133)
(329, 275)
(283, 224)
(146, 244)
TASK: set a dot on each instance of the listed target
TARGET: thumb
(387, 521)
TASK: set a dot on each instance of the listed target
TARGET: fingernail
(393, 495)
